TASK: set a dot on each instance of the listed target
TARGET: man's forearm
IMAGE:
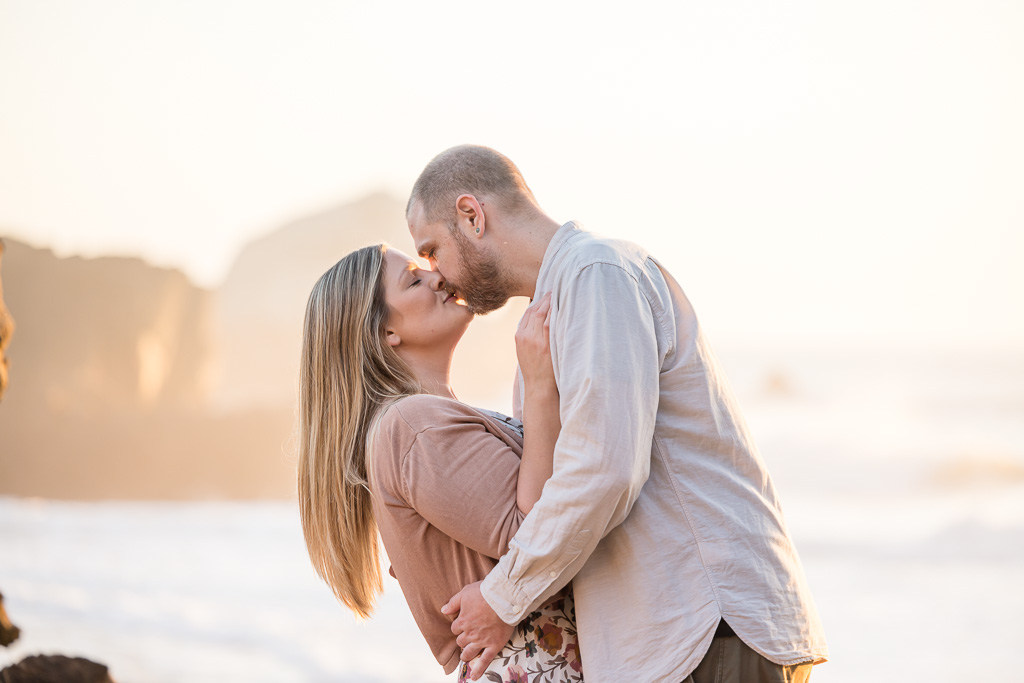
(608, 398)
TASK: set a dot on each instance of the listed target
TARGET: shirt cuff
(507, 601)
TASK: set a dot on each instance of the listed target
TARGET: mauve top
(443, 477)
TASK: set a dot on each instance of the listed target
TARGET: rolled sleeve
(605, 353)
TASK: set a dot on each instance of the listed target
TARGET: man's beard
(485, 285)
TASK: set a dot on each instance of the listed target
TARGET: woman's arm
(541, 422)
(439, 459)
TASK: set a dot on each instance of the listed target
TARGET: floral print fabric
(544, 648)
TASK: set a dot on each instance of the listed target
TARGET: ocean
(901, 476)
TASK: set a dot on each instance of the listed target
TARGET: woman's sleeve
(462, 479)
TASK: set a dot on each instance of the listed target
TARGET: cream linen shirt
(660, 509)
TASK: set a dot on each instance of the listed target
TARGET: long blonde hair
(348, 373)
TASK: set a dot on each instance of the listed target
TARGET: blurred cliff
(6, 328)
(128, 381)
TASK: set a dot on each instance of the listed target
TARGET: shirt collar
(558, 240)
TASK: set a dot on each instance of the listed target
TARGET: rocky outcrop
(55, 669)
(6, 329)
(105, 333)
(110, 384)
(47, 668)
(127, 381)
(261, 305)
(8, 631)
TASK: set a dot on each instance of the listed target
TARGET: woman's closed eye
(415, 282)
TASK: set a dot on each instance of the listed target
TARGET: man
(659, 508)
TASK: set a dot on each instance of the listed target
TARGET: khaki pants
(730, 660)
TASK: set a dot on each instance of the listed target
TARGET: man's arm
(607, 365)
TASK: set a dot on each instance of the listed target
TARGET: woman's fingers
(541, 307)
(527, 319)
(533, 342)
(544, 311)
(537, 313)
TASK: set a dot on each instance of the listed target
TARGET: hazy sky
(824, 172)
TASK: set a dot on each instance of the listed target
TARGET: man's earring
(478, 231)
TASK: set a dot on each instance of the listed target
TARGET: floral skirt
(543, 648)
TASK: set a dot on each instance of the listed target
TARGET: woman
(385, 446)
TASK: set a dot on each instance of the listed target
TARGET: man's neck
(524, 256)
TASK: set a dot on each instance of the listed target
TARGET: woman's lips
(452, 297)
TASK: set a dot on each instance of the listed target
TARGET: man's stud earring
(478, 231)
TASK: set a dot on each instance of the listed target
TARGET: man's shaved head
(469, 169)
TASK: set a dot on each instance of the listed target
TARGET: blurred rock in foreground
(8, 631)
(55, 669)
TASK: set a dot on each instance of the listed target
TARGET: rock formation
(8, 631)
(109, 386)
(105, 333)
(261, 305)
(55, 669)
(6, 329)
(128, 381)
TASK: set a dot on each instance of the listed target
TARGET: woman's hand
(533, 345)
(540, 403)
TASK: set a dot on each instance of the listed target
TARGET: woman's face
(421, 312)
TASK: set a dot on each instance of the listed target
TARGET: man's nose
(438, 282)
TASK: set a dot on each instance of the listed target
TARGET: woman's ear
(392, 338)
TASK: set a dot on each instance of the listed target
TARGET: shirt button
(516, 609)
(552, 574)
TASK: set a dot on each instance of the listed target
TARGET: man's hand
(478, 630)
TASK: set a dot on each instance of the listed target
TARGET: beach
(902, 479)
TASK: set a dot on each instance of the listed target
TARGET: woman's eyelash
(416, 282)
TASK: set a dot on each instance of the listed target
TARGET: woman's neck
(433, 373)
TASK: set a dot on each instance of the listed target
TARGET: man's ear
(470, 215)
(392, 338)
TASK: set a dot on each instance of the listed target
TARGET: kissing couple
(620, 526)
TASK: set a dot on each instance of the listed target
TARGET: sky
(812, 173)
